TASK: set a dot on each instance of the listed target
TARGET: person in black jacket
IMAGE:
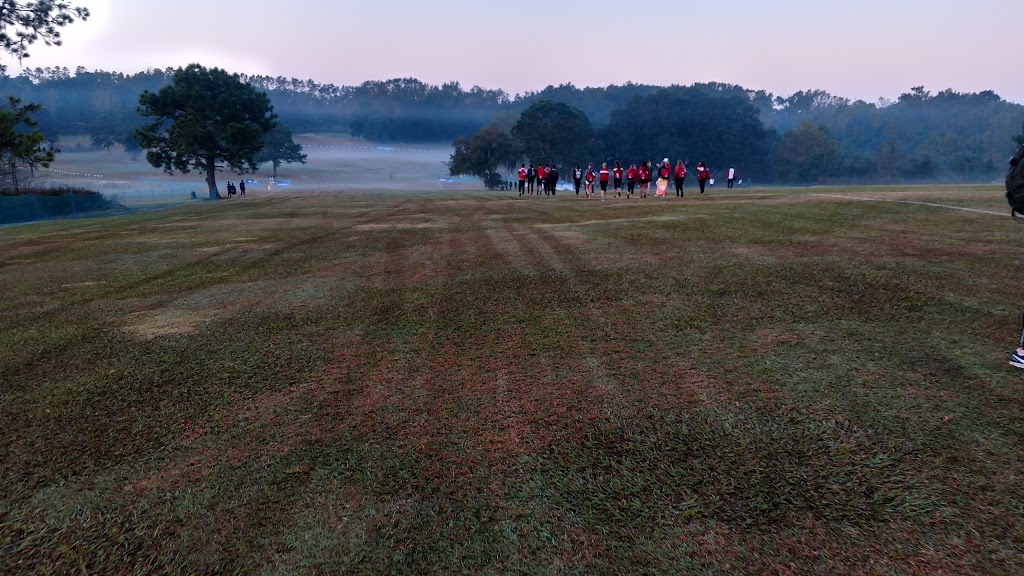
(552, 176)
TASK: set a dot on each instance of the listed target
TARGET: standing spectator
(1014, 194)
(617, 175)
(522, 179)
(730, 177)
(680, 176)
(241, 188)
(703, 175)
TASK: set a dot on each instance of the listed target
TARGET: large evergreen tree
(204, 120)
(21, 145)
(481, 155)
(24, 23)
(21, 25)
(551, 131)
(278, 148)
(691, 124)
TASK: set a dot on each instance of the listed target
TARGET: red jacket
(604, 174)
(664, 172)
(631, 174)
(617, 171)
(703, 173)
(522, 173)
(680, 171)
(541, 172)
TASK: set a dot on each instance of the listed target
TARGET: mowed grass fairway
(759, 382)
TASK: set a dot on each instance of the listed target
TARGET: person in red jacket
(542, 178)
(522, 179)
(645, 178)
(703, 175)
(680, 176)
(604, 179)
(631, 175)
(616, 174)
(590, 180)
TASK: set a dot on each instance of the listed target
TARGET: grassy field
(756, 382)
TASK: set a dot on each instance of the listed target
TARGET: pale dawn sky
(861, 50)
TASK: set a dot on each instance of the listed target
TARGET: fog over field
(334, 163)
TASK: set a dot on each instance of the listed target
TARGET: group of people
(637, 179)
(240, 190)
(542, 177)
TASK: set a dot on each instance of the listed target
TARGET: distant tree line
(810, 137)
(103, 104)
(805, 138)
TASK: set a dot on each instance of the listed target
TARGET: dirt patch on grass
(398, 225)
(622, 221)
(150, 324)
(206, 250)
(147, 319)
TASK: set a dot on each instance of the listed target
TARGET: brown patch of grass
(149, 324)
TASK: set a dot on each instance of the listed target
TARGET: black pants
(630, 186)
(522, 187)
(529, 185)
(679, 186)
(702, 183)
(577, 182)
(729, 182)
(551, 186)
